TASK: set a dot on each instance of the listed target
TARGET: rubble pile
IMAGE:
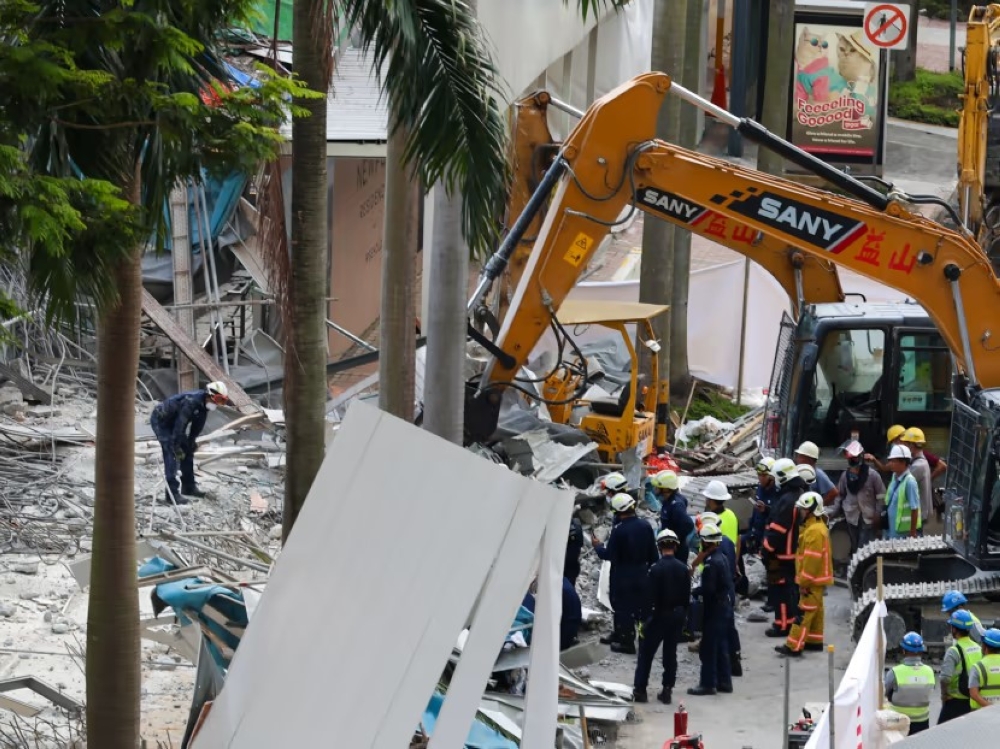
(723, 448)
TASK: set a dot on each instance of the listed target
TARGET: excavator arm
(612, 159)
(977, 179)
(808, 280)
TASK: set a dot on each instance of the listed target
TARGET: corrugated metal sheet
(355, 111)
(962, 733)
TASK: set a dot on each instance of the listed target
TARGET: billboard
(836, 107)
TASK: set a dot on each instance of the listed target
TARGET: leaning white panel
(395, 541)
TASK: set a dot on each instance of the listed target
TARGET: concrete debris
(723, 448)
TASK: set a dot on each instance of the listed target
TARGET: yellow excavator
(612, 160)
(979, 130)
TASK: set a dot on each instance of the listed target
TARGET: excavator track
(904, 600)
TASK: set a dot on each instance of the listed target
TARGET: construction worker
(808, 474)
(955, 600)
(909, 686)
(858, 492)
(718, 596)
(177, 422)
(959, 659)
(920, 469)
(813, 575)
(984, 677)
(673, 510)
(808, 453)
(631, 549)
(574, 547)
(669, 595)
(902, 498)
(780, 538)
(716, 495)
(892, 437)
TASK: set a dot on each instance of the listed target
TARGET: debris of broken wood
(732, 449)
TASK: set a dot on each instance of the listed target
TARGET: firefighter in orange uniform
(813, 573)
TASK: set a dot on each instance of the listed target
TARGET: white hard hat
(217, 388)
(900, 451)
(709, 518)
(622, 502)
(716, 490)
(808, 449)
(667, 536)
(811, 502)
(764, 465)
(665, 480)
(784, 471)
(614, 482)
(807, 472)
(710, 533)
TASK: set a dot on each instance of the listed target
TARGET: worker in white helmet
(716, 496)
(808, 453)
(177, 422)
(673, 510)
(631, 549)
(718, 596)
(902, 498)
(780, 540)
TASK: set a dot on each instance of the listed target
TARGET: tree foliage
(95, 94)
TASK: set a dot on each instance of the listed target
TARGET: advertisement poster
(835, 103)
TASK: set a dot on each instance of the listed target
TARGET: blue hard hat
(953, 599)
(991, 637)
(961, 619)
(913, 643)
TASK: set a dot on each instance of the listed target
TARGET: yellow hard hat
(914, 435)
(895, 432)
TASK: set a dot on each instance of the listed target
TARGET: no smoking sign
(887, 25)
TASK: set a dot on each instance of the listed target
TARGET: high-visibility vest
(914, 686)
(729, 524)
(989, 680)
(901, 523)
(971, 653)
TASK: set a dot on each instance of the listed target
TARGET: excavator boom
(612, 159)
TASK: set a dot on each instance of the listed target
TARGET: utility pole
(778, 78)
(656, 276)
(951, 35)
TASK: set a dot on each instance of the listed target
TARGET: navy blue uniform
(572, 615)
(780, 542)
(674, 515)
(177, 422)
(631, 549)
(718, 596)
(571, 565)
(668, 590)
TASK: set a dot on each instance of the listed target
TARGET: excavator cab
(849, 371)
(627, 420)
(972, 491)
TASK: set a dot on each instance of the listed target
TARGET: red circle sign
(885, 25)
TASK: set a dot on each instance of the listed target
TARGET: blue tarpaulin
(481, 736)
(192, 596)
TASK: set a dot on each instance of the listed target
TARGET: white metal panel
(356, 111)
(373, 587)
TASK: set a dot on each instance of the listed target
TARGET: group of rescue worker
(970, 672)
(655, 605)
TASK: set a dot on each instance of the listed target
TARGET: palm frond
(586, 7)
(444, 89)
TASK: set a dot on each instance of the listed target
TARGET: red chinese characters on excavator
(871, 250)
(902, 261)
(718, 226)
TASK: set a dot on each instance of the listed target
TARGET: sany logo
(671, 205)
(808, 224)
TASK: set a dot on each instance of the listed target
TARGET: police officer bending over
(669, 587)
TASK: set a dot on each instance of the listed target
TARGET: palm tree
(142, 127)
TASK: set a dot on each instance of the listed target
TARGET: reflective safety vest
(901, 522)
(989, 680)
(729, 524)
(914, 686)
(969, 653)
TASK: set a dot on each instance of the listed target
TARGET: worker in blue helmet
(984, 678)
(955, 600)
(959, 660)
(909, 686)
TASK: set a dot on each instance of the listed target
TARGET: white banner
(856, 699)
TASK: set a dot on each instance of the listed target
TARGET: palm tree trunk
(113, 652)
(397, 320)
(680, 375)
(305, 388)
(656, 274)
(777, 78)
(444, 402)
